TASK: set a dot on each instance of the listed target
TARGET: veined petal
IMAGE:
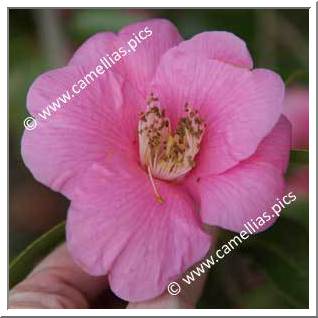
(244, 192)
(116, 226)
(239, 106)
(139, 48)
(82, 131)
(218, 45)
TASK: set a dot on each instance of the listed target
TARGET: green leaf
(269, 270)
(265, 296)
(299, 156)
(282, 253)
(299, 212)
(21, 266)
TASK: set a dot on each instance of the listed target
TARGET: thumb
(57, 282)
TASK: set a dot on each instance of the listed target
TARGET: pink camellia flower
(296, 109)
(176, 134)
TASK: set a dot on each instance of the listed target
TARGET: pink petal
(242, 193)
(137, 66)
(140, 66)
(218, 45)
(274, 149)
(296, 109)
(89, 128)
(240, 107)
(89, 53)
(116, 225)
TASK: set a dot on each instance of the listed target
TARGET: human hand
(58, 283)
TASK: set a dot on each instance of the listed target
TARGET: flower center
(165, 154)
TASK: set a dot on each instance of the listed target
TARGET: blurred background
(271, 270)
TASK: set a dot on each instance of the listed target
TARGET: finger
(57, 282)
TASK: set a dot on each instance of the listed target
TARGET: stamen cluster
(169, 155)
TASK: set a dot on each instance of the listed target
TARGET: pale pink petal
(93, 49)
(136, 59)
(296, 109)
(239, 106)
(139, 66)
(274, 149)
(91, 127)
(115, 225)
(244, 192)
(218, 45)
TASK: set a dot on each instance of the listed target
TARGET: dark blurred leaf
(265, 296)
(298, 212)
(299, 156)
(295, 76)
(85, 23)
(216, 292)
(275, 274)
(282, 253)
(25, 262)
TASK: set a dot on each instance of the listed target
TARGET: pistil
(165, 154)
(159, 198)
